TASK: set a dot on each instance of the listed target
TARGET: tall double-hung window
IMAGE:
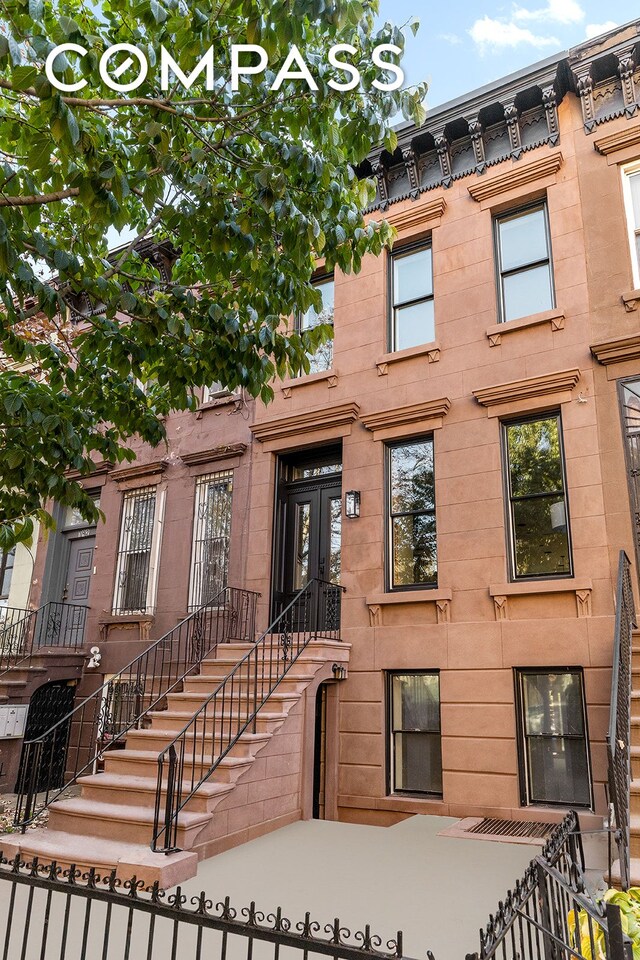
(631, 188)
(412, 514)
(540, 542)
(525, 274)
(211, 537)
(322, 359)
(412, 313)
(138, 551)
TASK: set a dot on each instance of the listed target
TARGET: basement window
(552, 738)
(415, 748)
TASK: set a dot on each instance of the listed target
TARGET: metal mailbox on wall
(13, 719)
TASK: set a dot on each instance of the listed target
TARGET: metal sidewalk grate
(495, 827)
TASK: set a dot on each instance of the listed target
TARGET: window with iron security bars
(137, 528)
(211, 534)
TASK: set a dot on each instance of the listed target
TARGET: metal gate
(49, 704)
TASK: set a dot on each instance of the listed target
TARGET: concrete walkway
(439, 891)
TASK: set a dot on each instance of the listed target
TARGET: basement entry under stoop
(495, 828)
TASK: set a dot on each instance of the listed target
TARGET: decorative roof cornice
(505, 119)
(420, 415)
(627, 137)
(307, 421)
(549, 383)
(517, 176)
(139, 471)
(226, 452)
(617, 351)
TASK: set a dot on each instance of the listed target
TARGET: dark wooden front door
(79, 570)
(310, 529)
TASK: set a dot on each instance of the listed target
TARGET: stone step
(155, 739)
(234, 702)
(222, 666)
(126, 858)
(173, 721)
(144, 763)
(141, 791)
(266, 720)
(121, 821)
(206, 685)
(176, 720)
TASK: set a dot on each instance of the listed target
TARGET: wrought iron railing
(195, 753)
(550, 913)
(121, 703)
(619, 735)
(24, 632)
(49, 912)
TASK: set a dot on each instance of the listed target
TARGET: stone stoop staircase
(257, 787)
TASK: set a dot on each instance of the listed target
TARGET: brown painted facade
(577, 125)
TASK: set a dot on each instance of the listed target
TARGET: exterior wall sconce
(339, 671)
(352, 504)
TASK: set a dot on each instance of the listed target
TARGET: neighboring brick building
(482, 397)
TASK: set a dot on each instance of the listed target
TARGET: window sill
(234, 398)
(330, 377)
(555, 318)
(140, 621)
(441, 599)
(429, 350)
(500, 593)
(631, 300)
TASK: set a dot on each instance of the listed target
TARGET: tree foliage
(246, 188)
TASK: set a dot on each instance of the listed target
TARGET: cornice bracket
(475, 132)
(442, 147)
(550, 103)
(411, 165)
(513, 127)
(584, 85)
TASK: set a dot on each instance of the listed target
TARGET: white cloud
(496, 34)
(452, 38)
(595, 29)
(556, 11)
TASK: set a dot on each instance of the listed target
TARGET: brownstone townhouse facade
(461, 459)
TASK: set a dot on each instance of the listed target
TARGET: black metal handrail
(550, 913)
(24, 632)
(121, 703)
(619, 735)
(197, 750)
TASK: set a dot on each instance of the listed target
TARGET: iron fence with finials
(550, 914)
(121, 703)
(50, 912)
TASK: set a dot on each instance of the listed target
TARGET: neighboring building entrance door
(310, 526)
(49, 704)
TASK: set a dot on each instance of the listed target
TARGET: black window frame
(510, 214)
(316, 281)
(398, 252)
(392, 790)
(389, 556)
(526, 800)
(509, 500)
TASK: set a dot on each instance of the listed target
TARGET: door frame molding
(284, 486)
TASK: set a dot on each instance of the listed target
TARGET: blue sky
(463, 44)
